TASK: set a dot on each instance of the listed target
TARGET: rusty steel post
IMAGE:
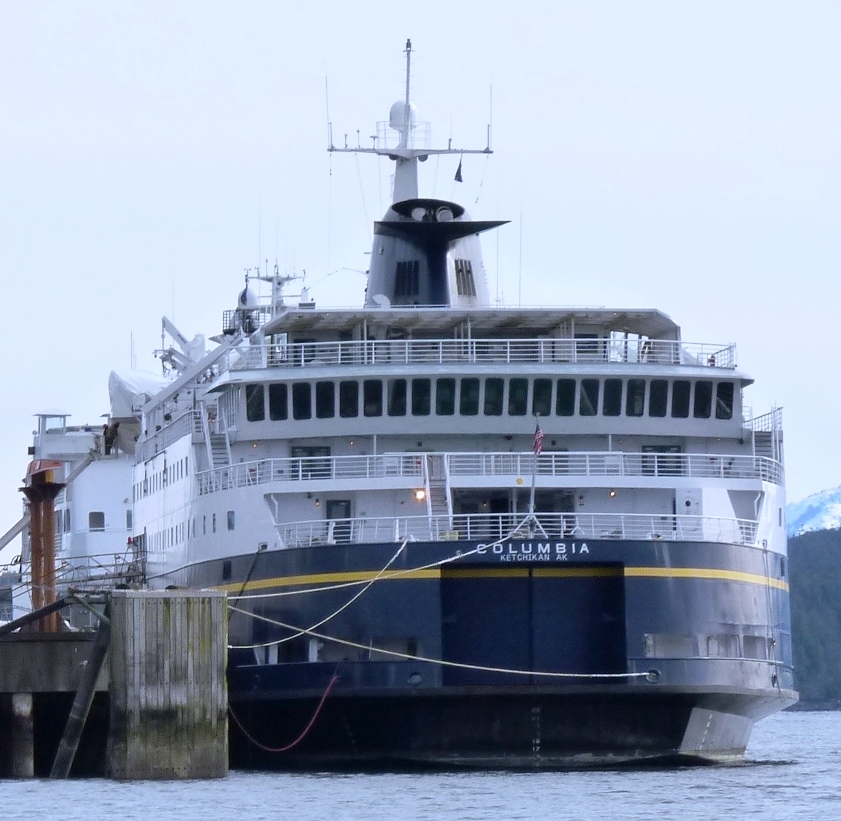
(41, 492)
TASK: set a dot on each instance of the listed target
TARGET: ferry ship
(456, 534)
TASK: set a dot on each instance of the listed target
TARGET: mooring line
(300, 738)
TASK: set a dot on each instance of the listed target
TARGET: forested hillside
(815, 575)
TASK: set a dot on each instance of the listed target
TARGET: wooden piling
(168, 692)
(82, 702)
(17, 751)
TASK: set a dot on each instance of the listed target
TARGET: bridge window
(301, 400)
(635, 399)
(325, 400)
(565, 401)
(724, 400)
(469, 398)
(396, 397)
(589, 399)
(372, 397)
(703, 399)
(541, 400)
(494, 391)
(518, 397)
(612, 397)
(96, 520)
(255, 408)
(277, 401)
(421, 397)
(658, 398)
(348, 399)
(445, 397)
(680, 399)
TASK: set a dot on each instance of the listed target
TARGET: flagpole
(535, 451)
(533, 474)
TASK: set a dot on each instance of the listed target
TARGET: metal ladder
(439, 503)
(218, 444)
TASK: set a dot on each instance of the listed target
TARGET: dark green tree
(815, 576)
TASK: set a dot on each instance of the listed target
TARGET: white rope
(453, 558)
(335, 613)
(440, 662)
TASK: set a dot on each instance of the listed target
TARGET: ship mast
(407, 111)
(405, 154)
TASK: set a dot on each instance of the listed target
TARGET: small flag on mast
(458, 172)
(538, 440)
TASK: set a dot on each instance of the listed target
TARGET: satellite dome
(247, 299)
(397, 117)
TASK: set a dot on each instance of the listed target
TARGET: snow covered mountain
(820, 511)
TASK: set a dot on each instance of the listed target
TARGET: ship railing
(462, 466)
(307, 468)
(100, 570)
(480, 351)
(495, 527)
(609, 463)
(767, 422)
(173, 429)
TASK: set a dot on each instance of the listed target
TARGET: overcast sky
(677, 155)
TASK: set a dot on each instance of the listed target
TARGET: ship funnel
(426, 252)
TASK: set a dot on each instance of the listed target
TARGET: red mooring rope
(300, 738)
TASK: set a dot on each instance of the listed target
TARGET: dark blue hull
(527, 654)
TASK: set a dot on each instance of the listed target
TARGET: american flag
(538, 440)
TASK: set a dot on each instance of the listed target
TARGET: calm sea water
(792, 770)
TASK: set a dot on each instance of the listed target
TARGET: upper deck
(326, 338)
(503, 351)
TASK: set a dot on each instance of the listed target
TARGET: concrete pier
(156, 708)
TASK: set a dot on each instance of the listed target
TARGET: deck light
(420, 494)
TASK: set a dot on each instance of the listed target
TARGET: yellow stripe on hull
(508, 573)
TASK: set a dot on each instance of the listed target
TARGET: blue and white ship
(458, 534)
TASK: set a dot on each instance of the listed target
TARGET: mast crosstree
(405, 154)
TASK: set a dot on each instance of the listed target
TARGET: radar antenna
(407, 152)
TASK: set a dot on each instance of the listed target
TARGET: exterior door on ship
(338, 520)
(549, 619)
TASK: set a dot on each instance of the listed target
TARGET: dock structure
(144, 697)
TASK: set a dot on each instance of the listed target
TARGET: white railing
(767, 423)
(307, 468)
(480, 351)
(99, 569)
(188, 422)
(608, 463)
(460, 466)
(489, 527)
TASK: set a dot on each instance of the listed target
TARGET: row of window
(161, 478)
(491, 396)
(96, 520)
(164, 539)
